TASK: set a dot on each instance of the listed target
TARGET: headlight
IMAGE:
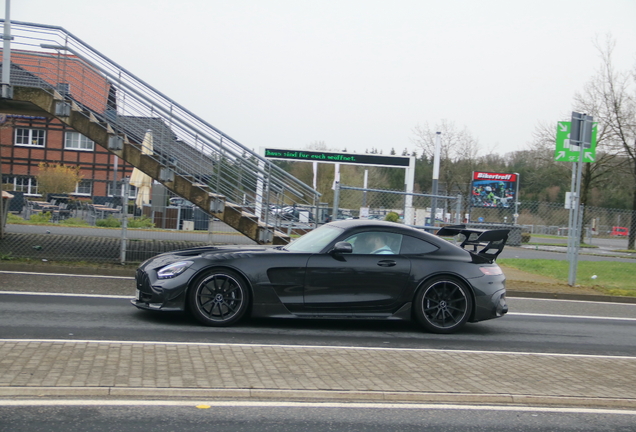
(173, 270)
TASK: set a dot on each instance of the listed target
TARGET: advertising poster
(493, 189)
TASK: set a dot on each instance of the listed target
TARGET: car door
(356, 282)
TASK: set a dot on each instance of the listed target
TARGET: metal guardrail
(184, 142)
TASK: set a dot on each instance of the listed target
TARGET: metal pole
(364, 186)
(585, 123)
(6, 53)
(458, 210)
(114, 186)
(336, 201)
(516, 215)
(409, 180)
(438, 146)
(571, 205)
(124, 224)
(2, 216)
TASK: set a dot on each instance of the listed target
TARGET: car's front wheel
(219, 298)
(443, 305)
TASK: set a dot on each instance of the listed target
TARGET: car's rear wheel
(443, 305)
(219, 298)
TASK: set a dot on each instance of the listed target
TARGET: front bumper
(160, 294)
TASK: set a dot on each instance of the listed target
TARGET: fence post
(336, 201)
(458, 210)
(124, 223)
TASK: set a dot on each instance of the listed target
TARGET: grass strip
(610, 277)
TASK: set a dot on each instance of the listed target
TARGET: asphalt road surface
(31, 307)
(133, 416)
(532, 325)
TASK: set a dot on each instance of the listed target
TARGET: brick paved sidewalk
(64, 368)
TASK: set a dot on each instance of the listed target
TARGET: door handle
(387, 263)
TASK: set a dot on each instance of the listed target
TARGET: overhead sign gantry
(405, 162)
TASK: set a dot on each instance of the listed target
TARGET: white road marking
(570, 316)
(356, 405)
(106, 296)
(65, 274)
(569, 301)
(315, 347)
(591, 317)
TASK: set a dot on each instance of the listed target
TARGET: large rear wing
(492, 242)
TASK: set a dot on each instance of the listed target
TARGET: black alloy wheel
(443, 305)
(219, 298)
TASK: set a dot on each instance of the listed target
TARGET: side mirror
(342, 248)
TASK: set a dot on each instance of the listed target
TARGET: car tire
(219, 298)
(443, 305)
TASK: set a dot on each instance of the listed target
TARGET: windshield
(315, 241)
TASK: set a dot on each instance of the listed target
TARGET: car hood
(210, 252)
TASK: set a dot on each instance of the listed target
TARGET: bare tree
(610, 96)
(458, 153)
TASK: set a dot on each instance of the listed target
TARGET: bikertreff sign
(493, 189)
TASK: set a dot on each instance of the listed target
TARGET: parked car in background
(180, 202)
(619, 231)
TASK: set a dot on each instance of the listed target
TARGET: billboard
(493, 189)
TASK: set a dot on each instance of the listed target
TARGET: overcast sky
(356, 74)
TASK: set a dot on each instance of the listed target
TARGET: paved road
(537, 326)
(103, 347)
(129, 416)
(559, 253)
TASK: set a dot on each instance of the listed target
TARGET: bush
(525, 237)
(14, 219)
(74, 222)
(392, 217)
(142, 222)
(38, 218)
(109, 222)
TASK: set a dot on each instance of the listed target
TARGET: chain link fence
(84, 231)
(534, 218)
(414, 208)
(542, 218)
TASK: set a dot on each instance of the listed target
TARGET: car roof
(363, 224)
(370, 223)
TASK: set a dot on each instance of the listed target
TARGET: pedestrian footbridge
(55, 74)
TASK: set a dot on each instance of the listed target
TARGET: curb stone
(317, 396)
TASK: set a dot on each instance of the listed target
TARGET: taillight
(493, 270)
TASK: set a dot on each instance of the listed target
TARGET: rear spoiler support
(492, 242)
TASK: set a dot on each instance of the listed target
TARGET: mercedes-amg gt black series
(345, 269)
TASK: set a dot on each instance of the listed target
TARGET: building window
(77, 141)
(85, 187)
(132, 190)
(30, 137)
(28, 185)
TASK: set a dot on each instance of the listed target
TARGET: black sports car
(344, 269)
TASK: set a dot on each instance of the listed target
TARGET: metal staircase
(55, 74)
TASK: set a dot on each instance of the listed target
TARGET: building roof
(66, 73)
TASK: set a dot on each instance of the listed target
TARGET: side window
(376, 243)
(415, 246)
